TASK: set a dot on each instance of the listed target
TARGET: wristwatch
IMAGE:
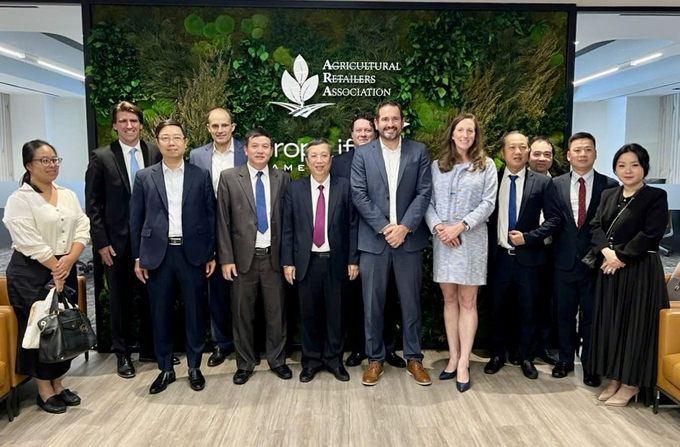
(465, 224)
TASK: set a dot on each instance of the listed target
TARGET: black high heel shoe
(444, 375)
(463, 387)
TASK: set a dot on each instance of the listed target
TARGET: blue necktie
(134, 166)
(260, 205)
(512, 207)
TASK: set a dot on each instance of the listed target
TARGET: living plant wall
(304, 73)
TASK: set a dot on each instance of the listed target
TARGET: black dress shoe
(175, 360)
(196, 379)
(591, 379)
(513, 358)
(339, 373)
(69, 398)
(529, 370)
(147, 358)
(242, 376)
(547, 357)
(218, 356)
(494, 365)
(52, 405)
(394, 360)
(355, 358)
(307, 374)
(125, 368)
(283, 372)
(162, 381)
(561, 369)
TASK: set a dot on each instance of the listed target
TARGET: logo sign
(300, 89)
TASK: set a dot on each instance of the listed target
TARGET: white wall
(642, 127)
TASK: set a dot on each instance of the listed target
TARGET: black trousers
(574, 288)
(506, 272)
(123, 286)
(546, 303)
(321, 303)
(191, 279)
(220, 312)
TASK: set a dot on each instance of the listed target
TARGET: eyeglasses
(48, 161)
(167, 138)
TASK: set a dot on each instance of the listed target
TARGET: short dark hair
(362, 116)
(580, 136)
(27, 155)
(388, 103)
(542, 138)
(507, 134)
(318, 142)
(126, 106)
(257, 132)
(170, 122)
(641, 152)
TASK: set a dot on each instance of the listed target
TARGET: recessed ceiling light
(8, 52)
(596, 75)
(73, 74)
(642, 60)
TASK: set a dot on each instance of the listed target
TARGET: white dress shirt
(174, 188)
(220, 162)
(315, 197)
(575, 186)
(392, 159)
(127, 154)
(504, 200)
(40, 230)
(262, 240)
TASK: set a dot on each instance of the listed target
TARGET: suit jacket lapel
(119, 157)
(188, 181)
(274, 185)
(307, 194)
(145, 153)
(159, 181)
(599, 183)
(403, 159)
(332, 201)
(376, 150)
(239, 154)
(528, 184)
(565, 190)
(244, 181)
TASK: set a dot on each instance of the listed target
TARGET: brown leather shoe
(415, 368)
(372, 374)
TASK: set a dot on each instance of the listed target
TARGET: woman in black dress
(49, 232)
(630, 290)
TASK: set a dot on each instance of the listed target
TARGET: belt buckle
(261, 251)
(323, 254)
(175, 240)
(511, 251)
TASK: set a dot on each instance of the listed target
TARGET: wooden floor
(501, 410)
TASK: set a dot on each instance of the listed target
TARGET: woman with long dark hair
(464, 185)
(49, 232)
(630, 290)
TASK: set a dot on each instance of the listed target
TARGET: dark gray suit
(370, 194)
(218, 287)
(236, 236)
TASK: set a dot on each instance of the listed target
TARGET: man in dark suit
(319, 250)
(391, 189)
(108, 185)
(362, 131)
(172, 230)
(249, 214)
(578, 196)
(223, 153)
(517, 250)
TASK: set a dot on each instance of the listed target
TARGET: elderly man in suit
(319, 250)
(249, 214)
(391, 188)
(224, 152)
(172, 230)
(578, 196)
(108, 187)
(362, 131)
(517, 250)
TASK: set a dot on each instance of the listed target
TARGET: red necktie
(581, 202)
(319, 234)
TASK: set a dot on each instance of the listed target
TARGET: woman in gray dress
(464, 183)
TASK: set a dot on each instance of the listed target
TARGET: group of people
(230, 229)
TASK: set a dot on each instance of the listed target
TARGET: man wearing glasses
(108, 187)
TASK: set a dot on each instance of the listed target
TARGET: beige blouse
(40, 230)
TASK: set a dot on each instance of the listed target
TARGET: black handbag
(64, 333)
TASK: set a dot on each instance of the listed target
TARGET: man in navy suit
(362, 131)
(319, 250)
(578, 196)
(223, 153)
(517, 250)
(172, 231)
(391, 189)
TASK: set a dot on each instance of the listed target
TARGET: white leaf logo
(309, 88)
(300, 89)
(290, 88)
(300, 69)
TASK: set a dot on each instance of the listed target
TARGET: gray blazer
(237, 218)
(202, 156)
(371, 196)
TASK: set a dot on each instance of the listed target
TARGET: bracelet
(465, 224)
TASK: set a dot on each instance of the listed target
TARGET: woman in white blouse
(49, 232)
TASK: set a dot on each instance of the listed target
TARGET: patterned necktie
(581, 202)
(512, 207)
(260, 205)
(319, 236)
(134, 166)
